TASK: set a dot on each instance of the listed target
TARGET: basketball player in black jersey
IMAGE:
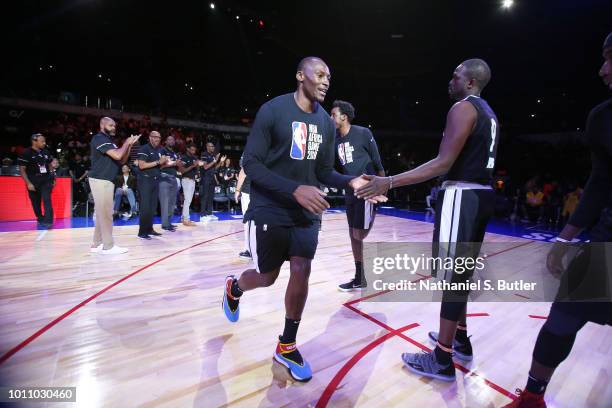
(357, 154)
(289, 154)
(465, 205)
(566, 319)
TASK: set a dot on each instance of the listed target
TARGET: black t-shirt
(78, 169)
(36, 163)
(189, 160)
(223, 172)
(207, 158)
(103, 166)
(357, 154)
(172, 155)
(476, 161)
(149, 154)
(597, 194)
(286, 148)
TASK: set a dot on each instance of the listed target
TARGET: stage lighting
(212, 6)
(507, 3)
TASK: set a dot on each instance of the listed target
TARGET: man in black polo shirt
(150, 161)
(289, 154)
(106, 159)
(207, 180)
(35, 171)
(78, 172)
(357, 153)
(188, 165)
(168, 185)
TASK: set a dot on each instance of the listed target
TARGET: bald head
(479, 71)
(308, 61)
(108, 126)
(313, 77)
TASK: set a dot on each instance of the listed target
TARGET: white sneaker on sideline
(115, 250)
(96, 250)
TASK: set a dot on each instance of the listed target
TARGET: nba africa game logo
(305, 141)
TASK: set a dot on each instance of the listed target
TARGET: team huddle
(291, 152)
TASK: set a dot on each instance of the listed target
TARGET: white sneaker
(115, 250)
(96, 250)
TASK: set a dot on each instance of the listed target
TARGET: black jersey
(476, 161)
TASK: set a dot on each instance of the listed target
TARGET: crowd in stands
(539, 199)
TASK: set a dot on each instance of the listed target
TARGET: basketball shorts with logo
(360, 213)
(462, 215)
(271, 246)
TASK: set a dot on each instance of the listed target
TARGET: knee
(358, 234)
(269, 278)
(300, 268)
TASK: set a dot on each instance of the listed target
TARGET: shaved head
(478, 70)
(308, 61)
(108, 126)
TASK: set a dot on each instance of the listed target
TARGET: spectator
(125, 185)
(570, 202)
(534, 200)
(35, 171)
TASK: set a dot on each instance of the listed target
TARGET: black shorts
(271, 246)
(461, 219)
(360, 214)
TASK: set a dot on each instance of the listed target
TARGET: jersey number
(491, 162)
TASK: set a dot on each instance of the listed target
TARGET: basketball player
(465, 205)
(289, 153)
(357, 153)
(556, 338)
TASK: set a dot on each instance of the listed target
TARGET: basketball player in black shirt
(566, 318)
(289, 154)
(465, 205)
(357, 154)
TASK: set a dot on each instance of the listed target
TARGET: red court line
(538, 317)
(466, 371)
(49, 325)
(335, 382)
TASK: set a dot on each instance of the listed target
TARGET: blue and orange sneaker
(230, 304)
(288, 355)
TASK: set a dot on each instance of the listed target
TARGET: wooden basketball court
(146, 328)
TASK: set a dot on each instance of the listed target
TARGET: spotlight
(212, 6)
(261, 23)
(237, 17)
(507, 4)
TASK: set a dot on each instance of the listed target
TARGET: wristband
(390, 182)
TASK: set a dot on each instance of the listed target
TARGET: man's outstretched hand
(375, 187)
(311, 198)
(363, 181)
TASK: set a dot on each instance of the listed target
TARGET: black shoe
(461, 350)
(352, 285)
(170, 228)
(145, 237)
(155, 234)
(245, 255)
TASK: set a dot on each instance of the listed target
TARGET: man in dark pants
(466, 202)
(168, 186)
(207, 180)
(289, 153)
(35, 171)
(150, 161)
(357, 153)
(566, 318)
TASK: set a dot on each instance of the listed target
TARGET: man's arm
(375, 156)
(24, 176)
(257, 147)
(459, 124)
(119, 154)
(241, 178)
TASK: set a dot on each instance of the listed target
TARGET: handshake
(311, 198)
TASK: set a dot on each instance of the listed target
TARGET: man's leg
(144, 188)
(46, 189)
(35, 201)
(164, 199)
(188, 190)
(102, 191)
(131, 199)
(245, 198)
(210, 195)
(95, 192)
(172, 199)
(360, 216)
(118, 197)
